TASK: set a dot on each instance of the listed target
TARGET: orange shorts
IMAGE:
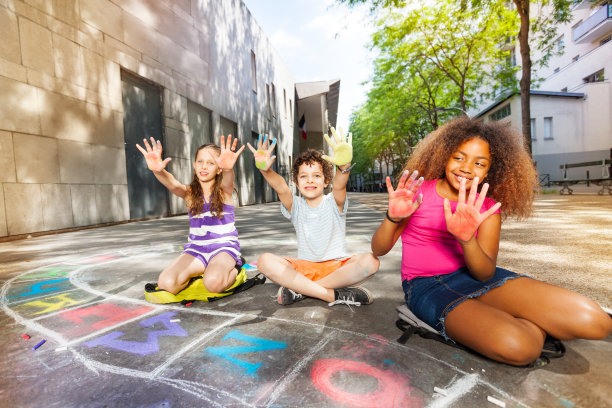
(316, 270)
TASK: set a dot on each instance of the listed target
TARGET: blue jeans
(431, 298)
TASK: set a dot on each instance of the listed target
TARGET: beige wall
(62, 152)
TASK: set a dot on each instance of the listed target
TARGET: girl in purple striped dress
(213, 249)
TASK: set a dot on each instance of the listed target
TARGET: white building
(82, 81)
(571, 109)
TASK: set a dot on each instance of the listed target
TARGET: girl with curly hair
(213, 249)
(450, 239)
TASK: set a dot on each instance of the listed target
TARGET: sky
(320, 40)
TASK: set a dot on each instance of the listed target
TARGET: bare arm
(480, 253)
(226, 161)
(263, 161)
(343, 154)
(152, 156)
(339, 185)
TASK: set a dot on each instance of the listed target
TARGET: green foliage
(428, 58)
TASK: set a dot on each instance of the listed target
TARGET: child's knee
(517, 348)
(214, 283)
(369, 263)
(591, 322)
(168, 283)
(264, 262)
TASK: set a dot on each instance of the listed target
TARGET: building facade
(571, 109)
(81, 82)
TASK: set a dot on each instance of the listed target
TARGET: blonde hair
(195, 195)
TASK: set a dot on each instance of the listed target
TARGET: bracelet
(389, 218)
(347, 170)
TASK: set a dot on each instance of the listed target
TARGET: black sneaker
(355, 296)
(286, 296)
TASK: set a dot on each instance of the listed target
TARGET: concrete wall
(62, 152)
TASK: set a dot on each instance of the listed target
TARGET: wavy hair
(195, 201)
(512, 176)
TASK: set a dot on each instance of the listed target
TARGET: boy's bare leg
(356, 270)
(176, 276)
(220, 273)
(279, 271)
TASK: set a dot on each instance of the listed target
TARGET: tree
(541, 29)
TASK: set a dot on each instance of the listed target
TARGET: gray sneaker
(286, 296)
(354, 296)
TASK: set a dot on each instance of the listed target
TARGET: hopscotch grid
(86, 287)
(282, 383)
(189, 346)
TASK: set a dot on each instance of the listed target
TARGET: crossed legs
(357, 269)
(509, 323)
(219, 275)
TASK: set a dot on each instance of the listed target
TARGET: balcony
(594, 27)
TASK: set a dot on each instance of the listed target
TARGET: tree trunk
(525, 83)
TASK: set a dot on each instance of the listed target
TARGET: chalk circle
(393, 390)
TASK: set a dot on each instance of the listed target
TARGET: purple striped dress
(209, 235)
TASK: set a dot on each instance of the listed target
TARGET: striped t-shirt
(321, 231)
(209, 235)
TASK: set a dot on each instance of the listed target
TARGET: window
(548, 135)
(605, 40)
(533, 132)
(290, 110)
(575, 58)
(253, 72)
(273, 99)
(559, 44)
(268, 109)
(557, 69)
(595, 77)
(502, 113)
(564, 89)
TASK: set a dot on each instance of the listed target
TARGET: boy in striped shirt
(323, 269)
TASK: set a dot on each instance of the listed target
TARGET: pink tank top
(428, 249)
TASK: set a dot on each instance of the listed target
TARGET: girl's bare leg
(176, 276)
(510, 323)
(494, 333)
(560, 312)
(220, 273)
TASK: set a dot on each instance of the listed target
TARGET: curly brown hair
(195, 195)
(310, 157)
(512, 176)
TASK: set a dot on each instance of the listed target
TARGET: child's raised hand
(227, 158)
(403, 201)
(343, 149)
(152, 155)
(263, 154)
(466, 219)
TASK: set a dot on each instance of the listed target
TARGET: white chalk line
(81, 284)
(282, 383)
(456, 390)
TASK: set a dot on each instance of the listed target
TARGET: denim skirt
(430, 298)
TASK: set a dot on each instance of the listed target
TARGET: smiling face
(311, 180)
(205, 167)
(471, 159)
